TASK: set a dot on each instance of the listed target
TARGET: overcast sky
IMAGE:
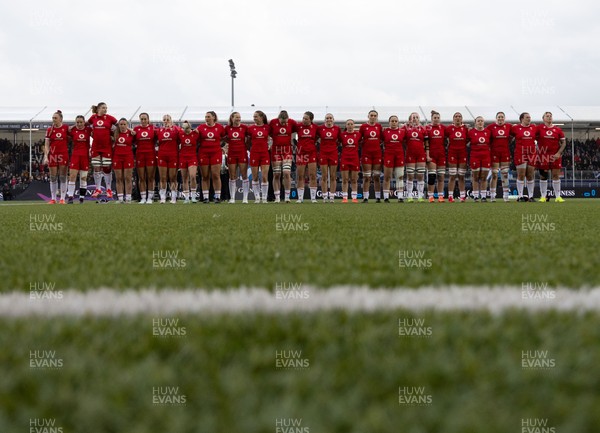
(308, 53)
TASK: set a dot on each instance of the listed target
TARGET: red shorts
(457, 156)
(438, 156)
(58, 157)
(122, 162)
(237, 157)
(145, 159)
(105, 152)
(328, 157)
(349, 165)
(500, 155)
(393, 157)
(168, 160)
(304, 157)
(543, 162)
(80, 162)
(210, 156)
(415, 155)
(259, 157)
(525, 155)
(371, 155)
(188, 160)
(480, 160)
(282, 153)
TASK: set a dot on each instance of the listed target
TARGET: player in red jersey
(210, 155)
(551, 145)
(500, 151)
(479, 141)
(80, 158)
(524, 157)
(393, 158)
(416, 143)
(306, 155)
(258, 140)
(168, 136)
(102, 126)
(371, 155)
(329, 137)
(436, 157)
(237, 155)
(145, 155)
(123, 161)
(457, 156)
(349, 161)
(56, 156)
(282, 153)
(188, 160)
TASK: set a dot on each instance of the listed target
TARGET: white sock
(378, 194)
(556, 187)
(232, 189)
(71, 189)
(150, 194)
(386, 194)
(205, 194)
(475, 193)
(53, 189)
(463, 194)
(520, 185)
(245, 188)
(287, 194)
(256, 189)
(98, 179)
(530, 187)
(108, 179)
(366, 195)
(493, 194)
(127, 197)
(63, 186)
(420, 187)
(163, 194)
(120, 197)
(300, 193)
(217, 195)
(543, 187)
(483, 193)
(186, 195)
(345, 195)
(313, 192)
(264, 189)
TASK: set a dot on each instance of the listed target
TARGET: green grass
(236, 245)
(225, 367)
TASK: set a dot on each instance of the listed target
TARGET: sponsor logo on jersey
(121, 139)
(235, 134)
(282, 131)
(501, 132)
(436, 132)
(458, 134)
(144, 134)
(259, 133)
(167, 134)
(81, 136)
(100, 123)
(351, 141)
(549, 133)
(373, 134)
(414, 134)
(526, 133)
(482, 140)
(395, 137)
(306, 131)
(210, 135)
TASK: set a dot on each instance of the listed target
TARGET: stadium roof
(583, 117)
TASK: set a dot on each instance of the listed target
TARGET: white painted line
(109, 302)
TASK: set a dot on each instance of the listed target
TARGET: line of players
(412, 147)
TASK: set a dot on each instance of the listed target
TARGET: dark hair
(522, 116)
(59, 114)
(310, 115)
(374, 111)
(500, 112)
(144, 113)
(98, 105)
(433, 113)
(393, 115)
(547, 112)
(230, 123)
(79, 116)
(122, 118)
(283, 114)
(263, 116)
(213, 114)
